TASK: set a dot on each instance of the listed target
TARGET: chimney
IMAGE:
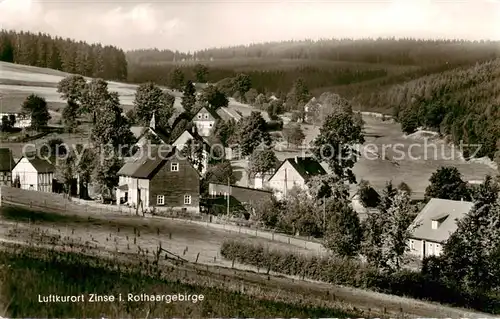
(193, 129)
(296, 159)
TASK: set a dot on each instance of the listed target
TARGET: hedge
(354, 273)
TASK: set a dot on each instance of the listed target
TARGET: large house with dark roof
(434, 225)
(158, 178)
(294, 172)
(7, 163)
(33, 173)
(10, 106)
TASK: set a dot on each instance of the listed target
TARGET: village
(291, 185)
(156, 184)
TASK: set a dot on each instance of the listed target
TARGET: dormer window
(437, 221)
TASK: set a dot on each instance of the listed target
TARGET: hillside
(463, 103)
(351, 68)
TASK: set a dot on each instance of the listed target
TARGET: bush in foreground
(351, 272)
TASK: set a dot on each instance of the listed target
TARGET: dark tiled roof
(12, 103)
(210, 111)
(147, 161)
(6, 160)
(41, 165)
(307, 167)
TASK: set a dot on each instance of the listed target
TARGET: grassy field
(41, 271)
(382, 160)
(136, 241)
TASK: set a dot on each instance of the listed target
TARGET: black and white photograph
(250, 159)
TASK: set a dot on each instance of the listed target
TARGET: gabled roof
(41, 165)
(227, 114)
(139, 132)
(444, 210)
(146, 162)
(208, 110)
(307, 167)
(12, 103)
(7, 162)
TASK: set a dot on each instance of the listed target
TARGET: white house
(205, 121)
(294, 172)
(33, 173)
(434, 225)
(11, 108)
(184, 139)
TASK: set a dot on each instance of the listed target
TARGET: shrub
(354, 273)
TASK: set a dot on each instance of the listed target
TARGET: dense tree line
(275, 80)
(42, 50)
(461, 103)
(388, 50)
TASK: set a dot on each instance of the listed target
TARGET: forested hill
(347, 67)
(380, 51)
(464, 103)
(42, 50)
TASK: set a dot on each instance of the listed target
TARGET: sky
(197, 24)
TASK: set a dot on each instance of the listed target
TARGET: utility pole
(285, 184)
(324, 215)
(228, 194)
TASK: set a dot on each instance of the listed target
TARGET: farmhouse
(294, 172)
(33, 173)
(7, 163)
(239, 197)
(143, 134)
(191, 138)
(10, 107)
(434, 224)
(159, 179)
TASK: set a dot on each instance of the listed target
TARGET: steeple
(152, 123)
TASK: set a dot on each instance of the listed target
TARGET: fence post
(197, 256)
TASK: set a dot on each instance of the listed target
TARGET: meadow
(53, 253)
(42, 271)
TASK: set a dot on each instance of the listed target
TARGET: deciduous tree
(252, 132)
(262, 161)
(151, 99)
(337, 144)
(447, 183)
(188, 97)
(36, 108)
(214, 97)
(343, 230)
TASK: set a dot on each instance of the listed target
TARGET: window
(211, 124)
(174, 167)
(205, 116)
(435, 224)
(187, 199)
(199, 116)
(160, 200)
